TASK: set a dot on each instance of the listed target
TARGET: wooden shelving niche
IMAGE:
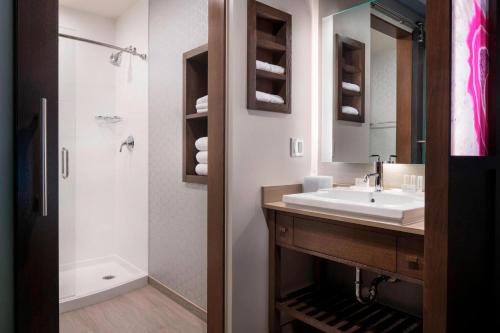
(350, 69)
(269, 41)
(195, 125)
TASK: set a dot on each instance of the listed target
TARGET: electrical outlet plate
(296, 147)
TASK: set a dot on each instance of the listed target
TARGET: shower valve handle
(129, 143)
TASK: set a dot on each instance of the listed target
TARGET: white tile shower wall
(88, 89)
(131, 168)
(258, 149)
(177, 210)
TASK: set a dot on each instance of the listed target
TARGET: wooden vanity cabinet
(345, 244)
(411, 257)
(284, 230)
(380, 250)
(393, 253)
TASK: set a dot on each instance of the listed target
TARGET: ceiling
(106, 8)
(417, 6)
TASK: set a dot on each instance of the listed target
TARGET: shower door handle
(65, 163)
(43, 155)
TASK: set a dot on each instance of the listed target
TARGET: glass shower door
(67, 167)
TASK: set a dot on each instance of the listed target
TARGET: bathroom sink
(388, 206)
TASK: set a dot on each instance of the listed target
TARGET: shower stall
(103, 145)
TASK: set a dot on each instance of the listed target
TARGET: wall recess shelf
(350, 69)
(270, 41)
(195, 125)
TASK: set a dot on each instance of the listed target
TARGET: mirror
(372, 74)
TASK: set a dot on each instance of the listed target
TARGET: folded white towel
(203, 99)
(264, 66)
(202, 105)
(202, 110)
(351, 86)
(269, 67)
(202, 157)
(202, 144)
(269, 98)
(201, 169)
(350, 110)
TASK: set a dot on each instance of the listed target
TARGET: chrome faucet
(378, 174)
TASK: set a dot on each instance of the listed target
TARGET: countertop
(415, 229)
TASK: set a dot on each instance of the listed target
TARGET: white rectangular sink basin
(388, 206)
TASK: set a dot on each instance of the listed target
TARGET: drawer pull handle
(283, 230)
(413, 261)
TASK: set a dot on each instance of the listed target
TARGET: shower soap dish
(109, 119)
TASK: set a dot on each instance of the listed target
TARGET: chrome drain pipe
(373, 291)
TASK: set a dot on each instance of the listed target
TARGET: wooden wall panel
(216, 165)
(404, 99)
(437, 165)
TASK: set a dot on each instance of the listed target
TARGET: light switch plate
(296, 147)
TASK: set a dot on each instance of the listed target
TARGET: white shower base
(83, 284)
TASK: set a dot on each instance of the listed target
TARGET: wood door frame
(46, 317)
(216, 318)
(438, 21)
(458, 231)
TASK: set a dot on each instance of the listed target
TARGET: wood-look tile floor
(141, 311)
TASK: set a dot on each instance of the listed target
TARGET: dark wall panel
(6, 167)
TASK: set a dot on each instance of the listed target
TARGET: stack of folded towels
(351, 86)
(350, 110)
(269, 98)
(265, 97)
(202, 104)
(201, 168)
(264, 66)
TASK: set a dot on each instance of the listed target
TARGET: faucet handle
(392, 159)
(129, 143)
(377, 156)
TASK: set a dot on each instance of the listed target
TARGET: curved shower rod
(131, 50)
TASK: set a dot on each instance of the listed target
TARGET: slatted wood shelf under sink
(335, 313)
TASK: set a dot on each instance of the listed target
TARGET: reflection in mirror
(373, 79)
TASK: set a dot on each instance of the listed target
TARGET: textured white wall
(177, 210)
(258, 154)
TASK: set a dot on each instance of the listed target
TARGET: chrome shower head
(116, 58)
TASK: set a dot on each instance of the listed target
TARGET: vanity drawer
(284, 229)
(353, 244)
(411, 257)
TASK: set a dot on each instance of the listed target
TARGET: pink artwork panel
(470, 72)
